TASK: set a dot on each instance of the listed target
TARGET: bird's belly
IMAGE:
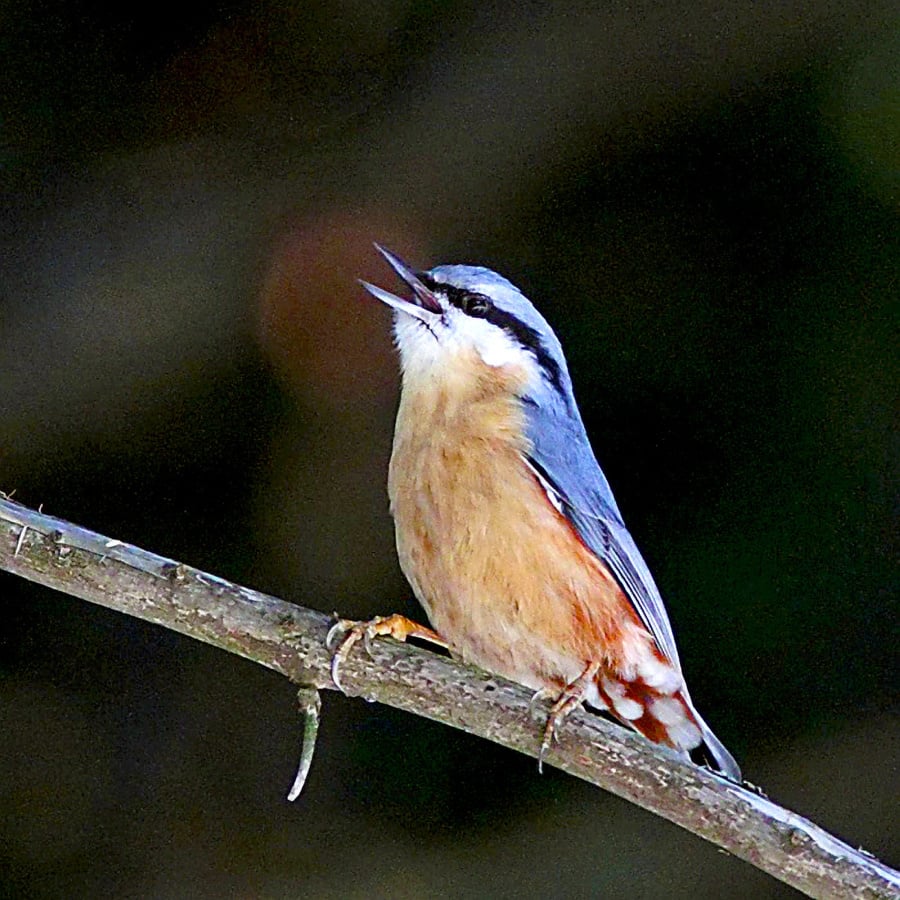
(500, 572)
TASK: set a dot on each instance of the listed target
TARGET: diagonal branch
(291, 640)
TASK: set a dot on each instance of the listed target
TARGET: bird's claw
(538, 696)
(341, 626)
(549, 737)
(544, 693)
(395, 626)
(352, 632)
(571, 696)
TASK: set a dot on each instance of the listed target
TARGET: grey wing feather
(629, 568)
(562, 457)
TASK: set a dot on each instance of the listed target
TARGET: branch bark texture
(291, 640)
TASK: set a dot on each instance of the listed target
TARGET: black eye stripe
(469, 301)
(530, 339)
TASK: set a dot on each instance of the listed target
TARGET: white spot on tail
(624, 706)
(659, 675)
(613, 688)
(592, 697)
(685, 735)
(628, 708)
(667, 710)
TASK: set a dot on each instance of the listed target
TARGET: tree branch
(291, 640)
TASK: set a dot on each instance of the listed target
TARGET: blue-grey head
(455, 310)
(458, 309)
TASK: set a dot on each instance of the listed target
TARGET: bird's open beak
(423, 304)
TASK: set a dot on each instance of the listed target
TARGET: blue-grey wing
(562, 458)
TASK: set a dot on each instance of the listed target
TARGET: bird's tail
(712, 752)
(665, 717)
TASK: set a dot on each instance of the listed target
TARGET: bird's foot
(396, 626)
(572, 695)
(541, 694)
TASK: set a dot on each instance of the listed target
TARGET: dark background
(703, 201)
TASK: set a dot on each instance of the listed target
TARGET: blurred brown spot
(326, 338)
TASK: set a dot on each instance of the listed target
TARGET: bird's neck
(461, 399)
(463, 419)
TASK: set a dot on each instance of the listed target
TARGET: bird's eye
(476, 305)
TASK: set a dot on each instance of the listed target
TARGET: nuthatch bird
(506, 527)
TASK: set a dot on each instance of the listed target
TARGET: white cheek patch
(430, 346)
(492, 343)
(496, 349)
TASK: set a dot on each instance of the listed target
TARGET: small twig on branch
(310, 705)
(291, 640)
